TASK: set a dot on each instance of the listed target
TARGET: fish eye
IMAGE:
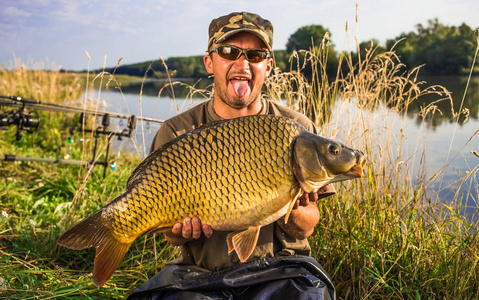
(334, 149)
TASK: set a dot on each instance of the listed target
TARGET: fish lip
(358, 168)
(357, 171)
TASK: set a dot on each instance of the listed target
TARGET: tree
(304, 38)
(314, 38)
(442, 49)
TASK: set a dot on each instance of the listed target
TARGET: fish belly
(230, 176)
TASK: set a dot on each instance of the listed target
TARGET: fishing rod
(10, 157)
(28, 121)
(97, 132)
(15, 101)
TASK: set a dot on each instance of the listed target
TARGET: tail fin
(92, 232)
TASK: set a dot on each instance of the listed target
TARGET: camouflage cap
(225, 26)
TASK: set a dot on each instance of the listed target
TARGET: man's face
(238, 82)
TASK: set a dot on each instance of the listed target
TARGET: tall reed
(31, 80)
(383, 237)
(380, 237)
(38, 200)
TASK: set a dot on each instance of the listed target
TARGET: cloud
(143, 30)
(15, 12)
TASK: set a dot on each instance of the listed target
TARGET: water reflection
(447, 144)
(194, 89)
(456, 85)
(174, 89)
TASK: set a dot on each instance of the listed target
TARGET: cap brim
(233, 32)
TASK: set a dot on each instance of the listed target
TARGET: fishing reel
(26, 121)
(103, 128)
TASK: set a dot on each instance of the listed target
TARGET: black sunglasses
(230, 52)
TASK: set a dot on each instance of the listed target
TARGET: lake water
(448, 142)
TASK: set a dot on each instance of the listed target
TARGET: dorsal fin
(136, 174)
(210, 124)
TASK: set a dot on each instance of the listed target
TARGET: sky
(89, 34)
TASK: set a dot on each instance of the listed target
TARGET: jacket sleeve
(163, 136)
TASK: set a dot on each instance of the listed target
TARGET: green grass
(380, 237)
(383, 237)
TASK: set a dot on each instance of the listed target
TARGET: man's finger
(304, 199)
(186, 232)
(207, 230)
(177, 228)
(296, 203)
(326, 191)
(196, 227)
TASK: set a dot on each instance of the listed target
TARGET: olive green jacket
(212, 253)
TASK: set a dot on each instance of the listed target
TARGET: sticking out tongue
(240, 87)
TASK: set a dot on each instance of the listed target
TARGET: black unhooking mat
(291, 277)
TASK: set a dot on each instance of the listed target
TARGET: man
(239, 58)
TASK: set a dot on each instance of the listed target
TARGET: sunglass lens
(233, 53)
(255, 55)
(228, 52)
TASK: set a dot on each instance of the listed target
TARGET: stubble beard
(237, 102)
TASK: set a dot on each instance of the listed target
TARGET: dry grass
(381, 237)
(384, 237)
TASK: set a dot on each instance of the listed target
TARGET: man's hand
(325, 191)
(305, 214)
(191, 228)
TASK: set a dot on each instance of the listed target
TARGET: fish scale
(224, 138)
(237, 175)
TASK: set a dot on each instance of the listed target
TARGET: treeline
(440, 49)
(179, 67)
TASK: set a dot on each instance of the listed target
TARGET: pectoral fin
(295, 194)
(243, 242)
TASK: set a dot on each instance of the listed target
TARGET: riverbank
(379, 237)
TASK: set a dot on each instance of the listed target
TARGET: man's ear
(207, 60)
(269, 67)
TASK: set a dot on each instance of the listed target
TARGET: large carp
(237, 175)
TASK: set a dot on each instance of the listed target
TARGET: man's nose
(242, 61)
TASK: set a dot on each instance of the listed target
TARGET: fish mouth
(357, 169)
